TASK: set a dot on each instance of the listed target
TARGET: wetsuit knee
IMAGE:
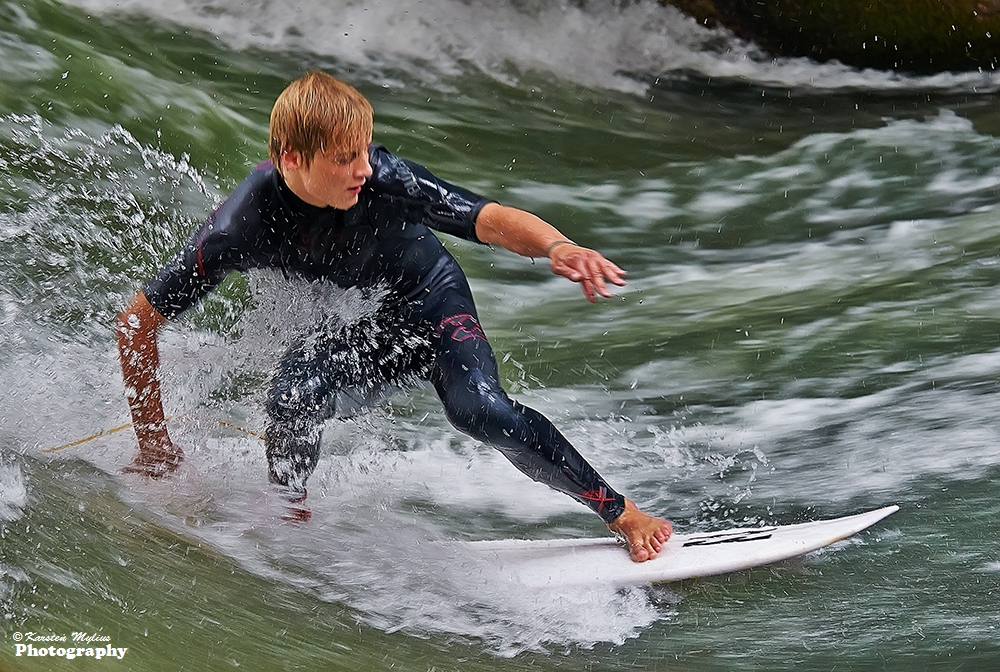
(480, 409)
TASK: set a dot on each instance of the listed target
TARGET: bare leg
(644, 534)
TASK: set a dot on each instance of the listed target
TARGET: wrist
(154, 432)
(556, 243)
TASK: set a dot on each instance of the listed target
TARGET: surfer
(330, 206)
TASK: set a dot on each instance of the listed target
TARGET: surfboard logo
(731, 537)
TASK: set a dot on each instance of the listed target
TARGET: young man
(331, 207)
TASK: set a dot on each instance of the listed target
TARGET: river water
(811, 329)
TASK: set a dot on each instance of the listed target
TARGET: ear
(291, 160)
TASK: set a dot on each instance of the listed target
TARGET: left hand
(524, 233)
(588, 267)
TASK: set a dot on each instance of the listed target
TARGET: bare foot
(155, 463)
(644, 534)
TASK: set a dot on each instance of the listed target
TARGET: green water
(810, 330)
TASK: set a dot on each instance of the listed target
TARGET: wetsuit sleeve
(443, 206)
(224, 243)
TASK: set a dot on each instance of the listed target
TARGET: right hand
(157, 456)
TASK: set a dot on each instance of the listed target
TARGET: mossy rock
(921, 36)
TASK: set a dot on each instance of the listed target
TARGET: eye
(348, 157)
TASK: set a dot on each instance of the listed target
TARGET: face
(329, 181)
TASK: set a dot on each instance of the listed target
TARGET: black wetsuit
(426, 326)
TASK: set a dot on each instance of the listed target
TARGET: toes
(641, 550)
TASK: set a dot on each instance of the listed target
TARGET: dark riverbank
(919, 36)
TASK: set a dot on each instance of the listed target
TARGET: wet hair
(318, 113)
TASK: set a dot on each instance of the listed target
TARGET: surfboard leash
(128, 425)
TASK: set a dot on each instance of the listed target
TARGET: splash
(13, 494)
(365, 547)
(70, 239)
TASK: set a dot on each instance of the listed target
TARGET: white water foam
(13, 494)
(599, 44)
(367, 545)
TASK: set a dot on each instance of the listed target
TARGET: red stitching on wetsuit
(466, 327)
(600, 496)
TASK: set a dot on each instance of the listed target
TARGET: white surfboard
(583, 562)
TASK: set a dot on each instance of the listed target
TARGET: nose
(361, 167)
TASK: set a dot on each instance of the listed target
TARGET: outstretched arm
(136, 331)
(530, 236)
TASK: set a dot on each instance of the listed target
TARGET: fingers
(588, 267)
(155, 461)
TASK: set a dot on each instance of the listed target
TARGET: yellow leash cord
(108, 432)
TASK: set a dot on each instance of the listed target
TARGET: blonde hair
(318, 113)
